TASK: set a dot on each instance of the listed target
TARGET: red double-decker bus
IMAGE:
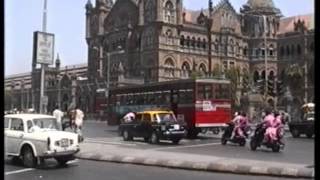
(201, 103)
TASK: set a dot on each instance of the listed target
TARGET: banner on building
(43, 47)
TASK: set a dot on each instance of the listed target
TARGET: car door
(6, 129)
(15, 135)
(145, 125)
(136, 128)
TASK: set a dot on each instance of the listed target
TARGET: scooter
(238, 138)
(258, 139)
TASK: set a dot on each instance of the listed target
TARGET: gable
(121, 13)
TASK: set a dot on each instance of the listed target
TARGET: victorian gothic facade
(159, 40)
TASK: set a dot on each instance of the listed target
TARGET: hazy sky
(66, 19)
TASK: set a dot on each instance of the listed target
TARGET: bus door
(174, 100)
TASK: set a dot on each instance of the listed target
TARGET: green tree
(233, 74)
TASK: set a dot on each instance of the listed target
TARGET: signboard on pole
(43, 47)
(44, 100)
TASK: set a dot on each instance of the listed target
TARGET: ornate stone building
(160, 40)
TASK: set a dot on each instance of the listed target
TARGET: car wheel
(62, 161)
(309, 135)
(16, 160)
(154, 138)
(295, 133)
(276, 148)
(242, 142)
(146, 139)
(126, 135)
(253, 144)
(28, 157)
(176, 141)
(223, 141)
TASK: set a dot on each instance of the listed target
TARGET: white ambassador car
(34, 137)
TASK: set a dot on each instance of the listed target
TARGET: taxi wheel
(126, 135)
(309, 135)
(28, 157)
(176, 141)
(154, 138)
(62, 161)
(146, 139)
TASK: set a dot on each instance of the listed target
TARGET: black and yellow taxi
(154, 125)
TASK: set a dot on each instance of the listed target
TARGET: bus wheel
(127, 136)
(193, 133)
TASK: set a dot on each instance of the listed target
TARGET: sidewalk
(111, 153)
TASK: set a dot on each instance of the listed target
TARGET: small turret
(89, 5)
(58, 63)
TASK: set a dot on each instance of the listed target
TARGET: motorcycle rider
(268, 122)
(236, 123)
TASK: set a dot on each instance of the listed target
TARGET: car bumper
(173, 134)
(55, 153)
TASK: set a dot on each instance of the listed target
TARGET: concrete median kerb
(203, 166)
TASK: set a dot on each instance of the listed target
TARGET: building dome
(256, 4)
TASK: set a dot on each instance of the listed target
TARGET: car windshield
(45, 123)
(166, 117)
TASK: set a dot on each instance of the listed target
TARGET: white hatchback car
(35, 137)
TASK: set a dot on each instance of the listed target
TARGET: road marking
(190, 146)
(19, 171)
(31, 169)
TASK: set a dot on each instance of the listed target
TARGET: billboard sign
(43, 47)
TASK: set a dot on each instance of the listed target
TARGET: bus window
(185, 96)
(208, 91)
(200, 94)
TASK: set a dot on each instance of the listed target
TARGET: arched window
(256, 76)
(271, 50)
(188, 41)
(298, 49)
(216, 45)
(292, 50)
(182, 40)
(231, 47)
(263, 75)
(271, 75)
(204, 43)
(245, 51)
(281, 51)
(186, 70)
(193, 42)
(199, 43)
(237, 48)
(169, 68)
(311, 47)
(288, 51)
(169, 12)
(257, 52)
(202, 69)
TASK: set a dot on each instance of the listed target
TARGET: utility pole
(209, 26)
(305, 65)
(44, 29)
(265, 58)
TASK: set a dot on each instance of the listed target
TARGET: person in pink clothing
(268, 124)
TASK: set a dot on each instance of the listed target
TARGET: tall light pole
(265, 59)
(44, 29)
(305, 65)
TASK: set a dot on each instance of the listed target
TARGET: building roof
(287, 23)
(255, 4)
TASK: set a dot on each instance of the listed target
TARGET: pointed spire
(210, 7)
(58, 61)
(89, 5)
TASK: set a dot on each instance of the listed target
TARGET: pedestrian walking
(58, 114)
(78, 120)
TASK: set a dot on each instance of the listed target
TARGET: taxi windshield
(45, 123)
(166, 117)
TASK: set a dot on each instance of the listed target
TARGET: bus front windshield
(166, 117)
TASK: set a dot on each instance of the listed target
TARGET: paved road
(84, 170)
(299, 150)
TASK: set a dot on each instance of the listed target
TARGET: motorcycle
(238, 138)
(258, 139)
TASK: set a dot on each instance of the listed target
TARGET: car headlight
(163, 127)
